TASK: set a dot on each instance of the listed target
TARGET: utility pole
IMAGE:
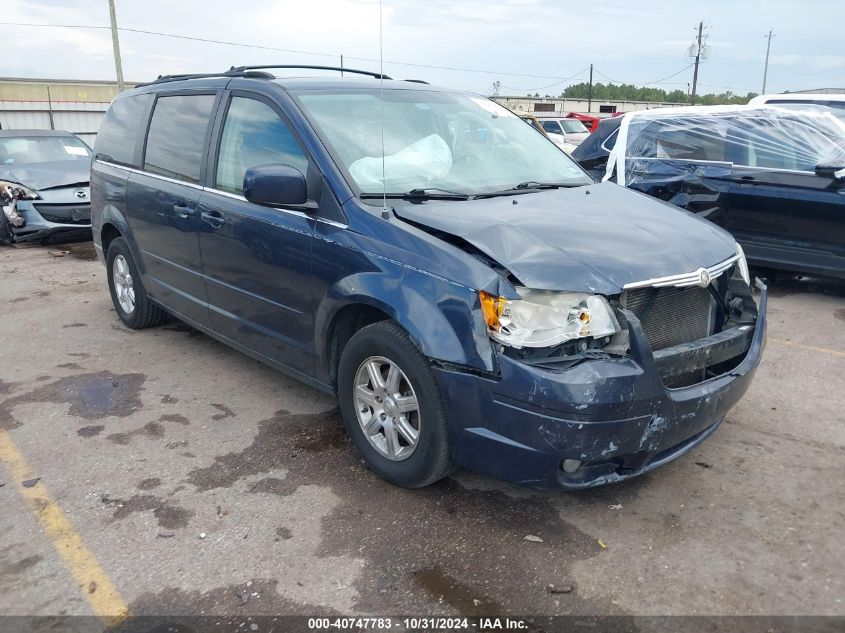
(118, 67)
(697, 59)
(590, 93)
(766, 66)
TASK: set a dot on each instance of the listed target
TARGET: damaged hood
(60, 173)
(584, 239)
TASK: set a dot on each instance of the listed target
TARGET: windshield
(434, 140)
(572, 126)
(27, 150)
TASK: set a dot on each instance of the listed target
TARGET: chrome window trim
(683, 280)
(220, 192)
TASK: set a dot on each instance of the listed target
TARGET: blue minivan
(472, 297)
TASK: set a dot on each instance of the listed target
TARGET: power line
(557, 83)
(285, 50)
(644, 83)
(610, 79)
(669, 76)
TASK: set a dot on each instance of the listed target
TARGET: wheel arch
(439, 317)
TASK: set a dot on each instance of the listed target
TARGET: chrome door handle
(214, 219)
(184, 212)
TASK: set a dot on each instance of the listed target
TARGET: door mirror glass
(275, 185)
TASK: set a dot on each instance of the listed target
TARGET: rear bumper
(614, 416)
(59, 221)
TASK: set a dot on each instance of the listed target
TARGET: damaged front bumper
(36, 220)
(600, 421)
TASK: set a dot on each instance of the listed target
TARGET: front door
(162, 203)
(257, 260)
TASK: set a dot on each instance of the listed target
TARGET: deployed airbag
(428, 158)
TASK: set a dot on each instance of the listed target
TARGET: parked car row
(472, 295)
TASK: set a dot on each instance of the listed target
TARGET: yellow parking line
(811, 348)
(93, 582)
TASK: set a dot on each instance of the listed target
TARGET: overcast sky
(527, 45)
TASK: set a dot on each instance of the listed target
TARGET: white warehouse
(55, 104)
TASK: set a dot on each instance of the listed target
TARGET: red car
(590, 122)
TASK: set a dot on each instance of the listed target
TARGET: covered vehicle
(773, 177)
(44, 192)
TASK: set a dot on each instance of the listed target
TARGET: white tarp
(766, 137)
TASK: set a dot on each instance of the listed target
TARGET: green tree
(630, 92)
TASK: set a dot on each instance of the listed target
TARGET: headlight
(743, 265)
(542, 319)
(10, 191)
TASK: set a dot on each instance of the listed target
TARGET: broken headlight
(542, 319)
(742, 265)
(11, 191)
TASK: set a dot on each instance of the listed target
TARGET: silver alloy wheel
(387, 408)
(123, 287)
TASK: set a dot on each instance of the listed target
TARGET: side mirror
(835, 172)
(276, 185)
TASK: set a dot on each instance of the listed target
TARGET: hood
(60, 173)
(595, 238)
(576, 137)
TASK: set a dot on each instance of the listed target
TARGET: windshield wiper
(419, 195)
(529, 186)
(533, 184)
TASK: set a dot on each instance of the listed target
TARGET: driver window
(253, 134)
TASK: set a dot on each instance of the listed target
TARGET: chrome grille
(671, 315)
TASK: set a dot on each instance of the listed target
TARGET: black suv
(773, 177)
(470, 294)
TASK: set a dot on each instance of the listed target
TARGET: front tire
(392, 407)
(131, 301)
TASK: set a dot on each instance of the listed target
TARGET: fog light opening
(11, 213)
(570, 465)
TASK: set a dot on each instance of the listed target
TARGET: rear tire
(131, 301)
(392, 407)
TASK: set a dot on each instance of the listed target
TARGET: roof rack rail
(354, 71)
(234, 72)
(417, 81)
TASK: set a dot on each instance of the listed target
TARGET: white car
(572, 131)
(834, 101)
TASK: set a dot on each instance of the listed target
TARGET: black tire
(146, 313)
(429, 461)
(5, 230)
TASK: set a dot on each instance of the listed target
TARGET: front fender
(442, 318)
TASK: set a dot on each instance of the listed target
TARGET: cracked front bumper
(615, 416)
(45, 220)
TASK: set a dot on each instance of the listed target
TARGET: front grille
(672, 315)
(78, 214)
(685, 380)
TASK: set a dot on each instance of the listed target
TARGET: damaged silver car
(44, 192)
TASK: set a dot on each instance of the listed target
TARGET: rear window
(177, 136)
(119, 129)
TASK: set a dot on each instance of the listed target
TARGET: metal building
(558, 106)
(55, 104)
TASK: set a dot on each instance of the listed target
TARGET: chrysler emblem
(703, 278)
(80, 193)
